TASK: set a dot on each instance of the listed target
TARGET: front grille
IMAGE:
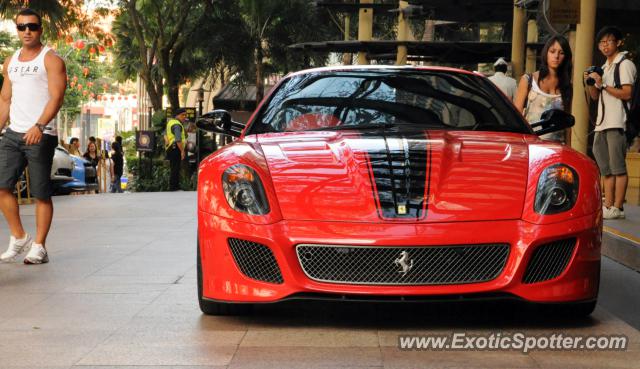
(63, 172)
(549, 261)
(424, 265)
(256, 261)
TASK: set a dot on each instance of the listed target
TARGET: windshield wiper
(355, 127)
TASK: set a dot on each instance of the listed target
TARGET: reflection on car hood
(424, 176)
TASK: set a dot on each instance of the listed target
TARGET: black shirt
(117, 163)
(94, 161)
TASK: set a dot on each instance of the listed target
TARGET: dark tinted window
(365, 98)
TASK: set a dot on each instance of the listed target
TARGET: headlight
(557, 190)
(244, 191)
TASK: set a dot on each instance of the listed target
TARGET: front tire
(209, 307)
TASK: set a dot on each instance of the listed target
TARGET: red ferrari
(390, 183)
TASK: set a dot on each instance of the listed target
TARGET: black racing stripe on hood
(400, 170)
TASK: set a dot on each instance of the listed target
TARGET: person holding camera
(548, 88)
(609, 143)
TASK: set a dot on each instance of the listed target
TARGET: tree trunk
(173, 94)
(259, 72)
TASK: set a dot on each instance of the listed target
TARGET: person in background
(609, 141)
(175, 146)
(506, 84)
(74, 146)
(117, 167)
(92, 154)
(548, 88)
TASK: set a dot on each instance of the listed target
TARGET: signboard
(145, 141)
(564, 11)
(191, 113)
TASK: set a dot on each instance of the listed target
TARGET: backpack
(631, 106)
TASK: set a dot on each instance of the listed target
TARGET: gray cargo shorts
(15, 155)
(610, 151)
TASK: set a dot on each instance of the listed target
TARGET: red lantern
(134, 97)
(72, 84)
(119, 97)
(79, 87)
(90, 84)
(68, 40)
(75, 78)
(79, 45)
(93, 96)
(105, 86)
(101, 49)
(92, 50)
(85, 71)
(112, 98)
(85, 92)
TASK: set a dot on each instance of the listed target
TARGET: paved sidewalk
(120, 292)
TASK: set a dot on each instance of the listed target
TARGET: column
(585, 32)
(403, 30)
(365, 29)
(517, 41)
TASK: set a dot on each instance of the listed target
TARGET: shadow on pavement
(414, 315)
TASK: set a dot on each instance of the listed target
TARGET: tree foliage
(168, 43)
(166, 37)
(61, 17)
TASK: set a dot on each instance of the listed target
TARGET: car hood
(378, 176)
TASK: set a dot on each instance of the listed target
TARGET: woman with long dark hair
(548, 88)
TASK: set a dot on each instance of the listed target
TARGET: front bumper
(223, 280)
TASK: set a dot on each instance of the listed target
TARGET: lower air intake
(549, 261)
(255, 260)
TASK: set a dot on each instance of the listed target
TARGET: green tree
(167, 39)
(59, 17)
(87, 78)
(8, 44)
(274, 25)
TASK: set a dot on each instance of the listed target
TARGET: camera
(593, 69)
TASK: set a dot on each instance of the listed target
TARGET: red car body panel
(480, 186)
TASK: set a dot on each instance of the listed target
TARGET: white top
(614, 114)
(508, 85)
(538, 102)
(29, 92)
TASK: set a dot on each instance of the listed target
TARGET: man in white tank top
(35, 79)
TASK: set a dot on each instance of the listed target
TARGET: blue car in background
(84, 177)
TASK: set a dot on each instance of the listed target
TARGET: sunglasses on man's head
(32, 26)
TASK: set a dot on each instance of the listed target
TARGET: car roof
(341, 68)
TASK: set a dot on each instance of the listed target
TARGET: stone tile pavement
(120, 292)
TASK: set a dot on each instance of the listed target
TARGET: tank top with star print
(29, 92)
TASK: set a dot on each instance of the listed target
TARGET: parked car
(62, 167)
(84, 177)
(395, 184)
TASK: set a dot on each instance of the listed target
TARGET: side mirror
(553, 120)
(219, 121)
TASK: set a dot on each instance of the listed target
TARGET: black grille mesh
(549, 261)
(255, 260)
(384, 265)
(63, 172)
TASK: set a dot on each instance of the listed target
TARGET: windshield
(365, 99)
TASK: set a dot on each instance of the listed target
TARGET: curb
(621, 247)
